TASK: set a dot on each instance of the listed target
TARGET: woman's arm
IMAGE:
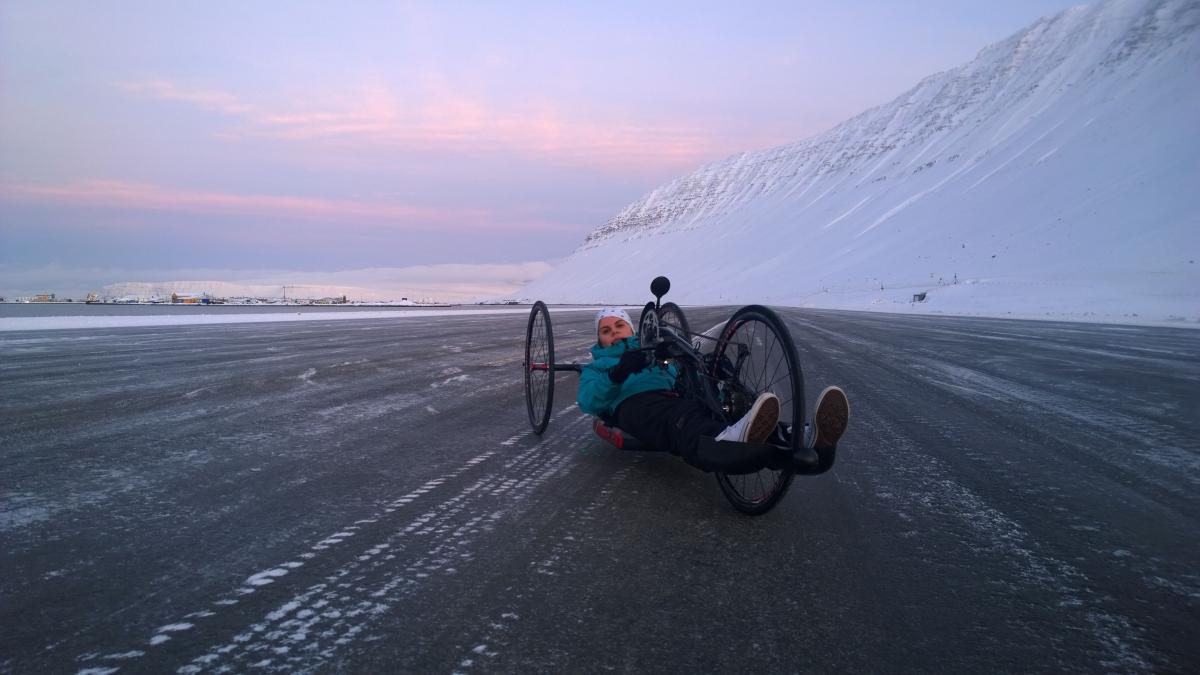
(596, 391)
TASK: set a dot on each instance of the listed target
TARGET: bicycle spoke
(767, 357)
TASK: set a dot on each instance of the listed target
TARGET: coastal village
(207, 299)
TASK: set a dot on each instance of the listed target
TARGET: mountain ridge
(1084, 101)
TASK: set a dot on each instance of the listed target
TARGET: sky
(144, 141)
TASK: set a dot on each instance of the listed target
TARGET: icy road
(365, 496)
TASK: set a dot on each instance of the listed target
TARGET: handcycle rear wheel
(539, 367)
(669, 314)
(755, 354)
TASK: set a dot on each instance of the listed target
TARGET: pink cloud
(144, 196)
(207, 99)
(439, 119)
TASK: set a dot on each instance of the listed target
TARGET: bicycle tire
(539, 367)
(772, 364)
(669, 314)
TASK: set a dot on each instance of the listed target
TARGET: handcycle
(754, 353)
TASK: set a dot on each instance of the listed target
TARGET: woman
(619, 385)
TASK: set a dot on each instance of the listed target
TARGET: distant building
(44, 297)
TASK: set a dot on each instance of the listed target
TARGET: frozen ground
(86, 318)
(365, 496)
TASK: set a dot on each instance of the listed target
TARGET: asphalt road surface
(365, 496)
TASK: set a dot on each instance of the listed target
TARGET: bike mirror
(660, 286)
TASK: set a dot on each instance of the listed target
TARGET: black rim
(539, 367)
(769, 364)
(671, 315)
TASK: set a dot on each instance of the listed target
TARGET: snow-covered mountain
(1056, 174)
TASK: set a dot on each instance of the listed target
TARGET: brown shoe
(830, 418)
(765, 420)
(755, 426)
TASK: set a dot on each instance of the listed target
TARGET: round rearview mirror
(660, 286)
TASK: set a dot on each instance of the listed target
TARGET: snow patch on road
(265, 577)
(124, 655)
(457, 378)
(21, 510)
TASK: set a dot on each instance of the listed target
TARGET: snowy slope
(1056, 174)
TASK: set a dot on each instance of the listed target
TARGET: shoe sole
(832, 416)
(764, 421)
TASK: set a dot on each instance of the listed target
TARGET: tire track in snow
(493, 637)
(341, 607)
(925, 484)
(1153, 441)
(340, 610)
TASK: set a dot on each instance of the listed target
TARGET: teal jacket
(598, 395)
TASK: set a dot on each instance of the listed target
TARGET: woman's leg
(685, 427)
(667, 422)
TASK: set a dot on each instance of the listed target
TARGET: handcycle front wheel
(647, 329)
(668, 314)
(539, 367)
(755, 354)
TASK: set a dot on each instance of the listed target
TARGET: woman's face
(613, 328)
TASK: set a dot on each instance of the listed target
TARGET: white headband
(612, 311)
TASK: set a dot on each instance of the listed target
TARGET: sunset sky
(143, 139)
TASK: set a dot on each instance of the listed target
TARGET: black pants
(665, 421)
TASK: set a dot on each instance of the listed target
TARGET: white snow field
(1057, 175)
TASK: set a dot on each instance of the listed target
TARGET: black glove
(662, 351)
(631, 362)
